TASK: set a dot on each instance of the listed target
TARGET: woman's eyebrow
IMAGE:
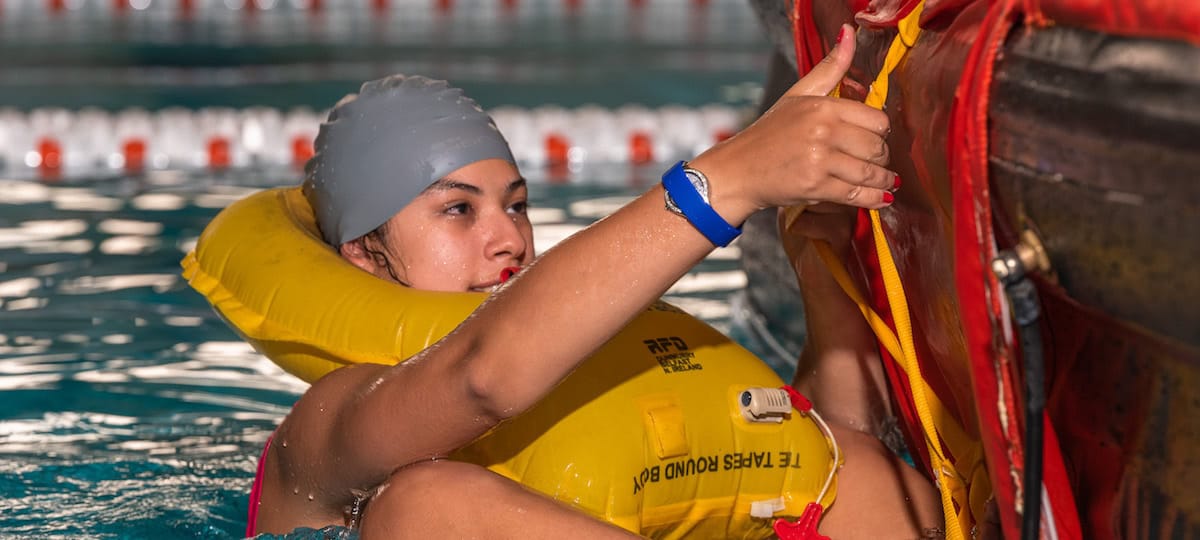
(446, 184)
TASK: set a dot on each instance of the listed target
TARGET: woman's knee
(450, 499)
(879, 496)
(427, 499)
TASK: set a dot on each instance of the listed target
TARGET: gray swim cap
(381, 148)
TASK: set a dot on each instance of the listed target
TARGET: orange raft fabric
(1166, 19)
(993, 354)
(955, 159)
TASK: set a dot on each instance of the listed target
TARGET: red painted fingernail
(888, 197)
(841, 34)
(896, 184)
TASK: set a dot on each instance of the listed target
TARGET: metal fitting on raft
(1012, 267)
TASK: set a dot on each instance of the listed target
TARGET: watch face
(699, 182)
(672, 206)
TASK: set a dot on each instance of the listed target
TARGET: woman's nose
(507, 238)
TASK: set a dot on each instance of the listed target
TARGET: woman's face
(460, 234)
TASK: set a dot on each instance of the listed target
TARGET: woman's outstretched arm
(360, 424)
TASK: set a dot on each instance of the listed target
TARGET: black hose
(1022, 296)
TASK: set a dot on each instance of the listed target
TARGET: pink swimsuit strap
(256, 491)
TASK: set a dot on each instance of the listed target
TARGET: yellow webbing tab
(669, 429)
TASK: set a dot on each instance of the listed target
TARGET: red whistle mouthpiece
(508, 273)
(804, 528)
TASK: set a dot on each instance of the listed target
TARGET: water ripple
(131, 409)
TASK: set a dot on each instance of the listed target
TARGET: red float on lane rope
(134, 151)
(218, 153)
(557, 148)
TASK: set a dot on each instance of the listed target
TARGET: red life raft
(1070, 124)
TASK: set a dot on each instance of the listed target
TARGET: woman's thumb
(829, 72)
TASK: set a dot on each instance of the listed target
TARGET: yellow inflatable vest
(647, 434)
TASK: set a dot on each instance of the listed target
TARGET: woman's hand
(808, 147)
(799, 227)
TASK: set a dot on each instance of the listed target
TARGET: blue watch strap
(693, 206)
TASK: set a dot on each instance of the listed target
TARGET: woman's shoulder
(332, 396)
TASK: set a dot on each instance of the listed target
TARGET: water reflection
(130, 407)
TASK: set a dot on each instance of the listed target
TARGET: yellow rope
(950, 482)
(900, 344)
(947, 429)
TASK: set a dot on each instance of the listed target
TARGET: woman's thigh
(451, 499)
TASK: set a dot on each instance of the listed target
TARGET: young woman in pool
(413, 184)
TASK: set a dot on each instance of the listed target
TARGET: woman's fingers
(862, 144)
(836, 190)
(860, 196)
(854, 171)
(809, 147)
(827, 74)
(870, 119)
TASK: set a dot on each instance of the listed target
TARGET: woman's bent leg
(879, 496)
(451, 499)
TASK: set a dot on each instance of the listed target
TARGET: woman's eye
(458, 209)
(518, 207)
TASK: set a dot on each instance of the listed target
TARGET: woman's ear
(355, 252)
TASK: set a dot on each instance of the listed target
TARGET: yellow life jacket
(647, 434)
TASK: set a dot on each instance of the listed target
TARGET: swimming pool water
(540, 52)
(130, 410)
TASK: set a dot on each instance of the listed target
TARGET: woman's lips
(508, 273)
(491, 286)
(486, 287)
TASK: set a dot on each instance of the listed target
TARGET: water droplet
(310, 496)
(295, 491)
(285, 444)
